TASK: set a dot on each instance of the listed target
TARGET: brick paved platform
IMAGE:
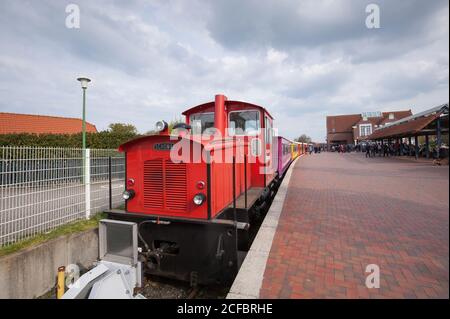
(343, 212)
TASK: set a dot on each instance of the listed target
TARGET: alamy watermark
(211, 147)
(72, 275)
(73, 16)
(373, 279)
(373, 18)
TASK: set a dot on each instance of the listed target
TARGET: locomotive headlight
(128, 194)
(199, 199)
(160, 126)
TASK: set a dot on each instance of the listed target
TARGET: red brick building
(13, 123)
(352, 128)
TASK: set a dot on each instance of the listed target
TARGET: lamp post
(84, 83)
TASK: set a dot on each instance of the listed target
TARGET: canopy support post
(438, 137)
(416, 146)
(410, 145)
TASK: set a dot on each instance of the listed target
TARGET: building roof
(12, 123)
(410, 125)
(439, 108)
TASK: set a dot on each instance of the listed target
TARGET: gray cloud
(290, 23)
(150, 60)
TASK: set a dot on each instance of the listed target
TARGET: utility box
(118, 241)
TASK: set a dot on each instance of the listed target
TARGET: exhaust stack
(219, 113)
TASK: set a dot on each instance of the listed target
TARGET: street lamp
(84, 83)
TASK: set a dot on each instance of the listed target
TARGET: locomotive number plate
(163, 146)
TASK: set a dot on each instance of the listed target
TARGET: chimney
(219, 113)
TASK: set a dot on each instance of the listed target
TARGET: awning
(409, 126)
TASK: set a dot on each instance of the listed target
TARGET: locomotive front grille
(153, 184)
(165, 185)
(175, 186)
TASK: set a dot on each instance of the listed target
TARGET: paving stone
(343, 212)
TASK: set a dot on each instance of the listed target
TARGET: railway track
(163, 288)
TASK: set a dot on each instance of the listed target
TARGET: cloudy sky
(150, 60)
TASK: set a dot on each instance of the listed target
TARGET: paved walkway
(343, 212)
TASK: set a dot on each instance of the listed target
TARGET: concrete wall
(31, 272)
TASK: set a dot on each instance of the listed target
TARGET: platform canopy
(423, 123)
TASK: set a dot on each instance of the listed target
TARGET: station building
(352, 128)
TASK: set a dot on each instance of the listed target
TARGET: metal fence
(43, 188)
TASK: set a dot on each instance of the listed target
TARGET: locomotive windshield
(201, 122)
(243, 123)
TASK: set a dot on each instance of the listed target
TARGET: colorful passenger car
(285, 154)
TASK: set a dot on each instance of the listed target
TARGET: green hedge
(102, 139)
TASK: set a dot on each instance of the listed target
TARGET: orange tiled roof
(398, 115)
(11, 123)
(404, 129)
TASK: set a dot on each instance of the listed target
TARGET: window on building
(243, 123)
(365, 129)
(391, 116)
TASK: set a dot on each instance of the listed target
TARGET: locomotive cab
(240, 121)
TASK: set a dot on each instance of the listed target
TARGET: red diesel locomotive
(196, 193)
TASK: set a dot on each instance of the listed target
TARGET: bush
(104, 139)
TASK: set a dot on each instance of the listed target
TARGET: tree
(122, 129)
(303, 139)
(174, 122)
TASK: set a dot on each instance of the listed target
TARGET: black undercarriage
(198, 251)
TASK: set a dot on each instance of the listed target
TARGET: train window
(285, 149)
(268, 130)
(201, 122)
(243, 123)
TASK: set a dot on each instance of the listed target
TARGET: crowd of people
(373, 149)
(342, 148)
(314, 149)
(385, 150)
